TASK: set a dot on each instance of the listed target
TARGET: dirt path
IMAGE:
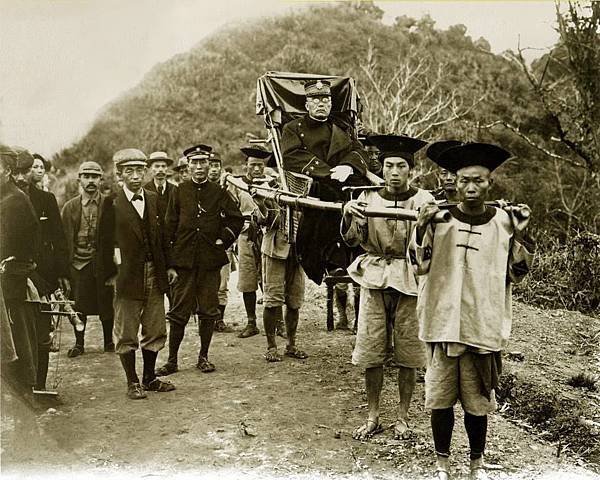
(291, 412)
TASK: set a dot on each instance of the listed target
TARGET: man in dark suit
(134, 228)
(316, 146)
(202, 222)
(19, 242)
(81, 216)
(159, 163)
(52, 267)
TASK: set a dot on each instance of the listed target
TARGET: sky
(61, 61)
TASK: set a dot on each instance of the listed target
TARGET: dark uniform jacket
(19, 238)
(71, 217)
(198, 215)
(53, 261)
(313, 148)
(163, 200)
(123, 228)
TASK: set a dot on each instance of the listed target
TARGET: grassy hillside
(207, 94)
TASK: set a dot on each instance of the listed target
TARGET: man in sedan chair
(316, 146)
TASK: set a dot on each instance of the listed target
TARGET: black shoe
(135, 391)
(158, 385)
(109, 348)
(166, 369)
(75, 351)
(249, 331)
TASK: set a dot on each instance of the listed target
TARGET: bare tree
(567, 84)
(411, 100)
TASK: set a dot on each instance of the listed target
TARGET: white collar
(129, 194)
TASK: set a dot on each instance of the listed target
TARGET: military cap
(397, 146)
(255, 151)
(130, 157)
(90, 167)
(315, 88)
(435, 149)
(24, 158)
(473, 154)
(182, 164)
(199, 151)
(159, 157)
(215, 157)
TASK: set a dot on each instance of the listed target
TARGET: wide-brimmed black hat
(397, 146)
(255, 151)
(435, 149)
(473, 154)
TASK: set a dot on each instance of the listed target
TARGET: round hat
(159, 157)
(130, 157)
(90, 167)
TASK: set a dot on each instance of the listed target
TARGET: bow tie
(137, 197)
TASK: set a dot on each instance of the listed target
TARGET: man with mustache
(81, 216)
(316, 146)
(159, 163)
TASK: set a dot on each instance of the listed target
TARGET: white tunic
(385, 241)
(466, 267)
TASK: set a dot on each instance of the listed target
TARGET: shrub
(565, 275)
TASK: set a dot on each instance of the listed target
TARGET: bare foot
(402, 430)
(367, 430)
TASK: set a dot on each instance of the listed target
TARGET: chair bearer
(388, 295)
(250, 239)
(464, 307)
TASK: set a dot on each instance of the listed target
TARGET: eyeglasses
(316, 100)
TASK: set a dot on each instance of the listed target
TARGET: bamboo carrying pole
(288, 199)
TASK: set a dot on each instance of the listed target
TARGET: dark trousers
(23, 317)
(92, 298)
(196, 291)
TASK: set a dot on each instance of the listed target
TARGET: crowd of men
(432, 293)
